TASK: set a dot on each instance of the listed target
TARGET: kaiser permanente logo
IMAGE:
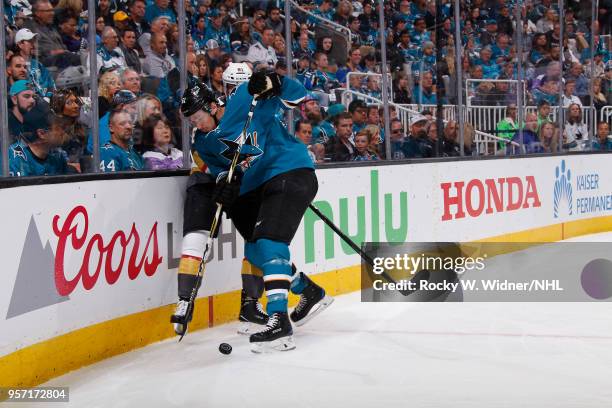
(562, 192)
(589, 197)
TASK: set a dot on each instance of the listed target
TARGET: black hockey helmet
(197, 97)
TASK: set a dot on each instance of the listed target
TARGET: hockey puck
(225, 348)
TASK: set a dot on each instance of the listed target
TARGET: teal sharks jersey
(268, 150)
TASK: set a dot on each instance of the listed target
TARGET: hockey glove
(226, 192)
(264, 86)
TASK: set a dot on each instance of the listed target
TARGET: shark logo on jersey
(18, 152)
(249, 152)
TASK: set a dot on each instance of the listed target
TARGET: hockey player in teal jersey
(268, 199)
(34, 154)
(119, 154)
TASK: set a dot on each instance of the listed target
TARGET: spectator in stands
(321, 79)
(603, 141)
(325, 129)
(218, 32)
(146, 106)
(202, 66)
(34, 154)
(398, 139)
(16, 70)
(582, 82)
(50, 46)
(352, 65)
(530, 142)
(548, 136)
(158, 63)
(240, 39)
(275, 21)
(546, 23)
(358, 110)
(450, 147)
(401, 92)
(198, 33)
(540, 50)
(373, 87)
(121, 21)
(279, 47)
(489, 36)
(258, 26)
(420, 35)
(426, 60)
(341, 148)
(66, 104)
(548, 91)
(543, 113)
(304, 48)
(137, 10)
(123, 100)
(343, 13)
(157, 140)
(303, 131)
(325, 10)
(490, 69)
(354, 24)
(67, 24)
(368, 64)
(418, 132)
(130, 80)
(363, 149)
(103, 10)
(576, 133)
(38, 75)
(130, 51)
(424, 92)
(160, 25)
(109, 54)
(568, 94)
(22, 98)
(160, 8)
(119, 154)
(507, 127)
(599, 98)
(216, 80)
(261, 53)
(325, 45)
(108, 85)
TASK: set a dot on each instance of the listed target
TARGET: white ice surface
(377, 355)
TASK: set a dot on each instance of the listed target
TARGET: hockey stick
(217, 218)
(421, 275)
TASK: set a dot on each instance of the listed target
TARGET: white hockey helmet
(237, 73)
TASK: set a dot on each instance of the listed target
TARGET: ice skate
(313, 301)
(277, 336)
(252, 316)
(182, 316)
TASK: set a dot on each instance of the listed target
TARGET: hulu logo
(366, 218)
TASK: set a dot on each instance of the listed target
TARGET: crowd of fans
(137, 67)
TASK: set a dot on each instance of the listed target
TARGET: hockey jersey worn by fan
(269, 149)
(23, 163)
(114, 158)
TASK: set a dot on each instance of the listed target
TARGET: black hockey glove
(226, 192)
(264, 86)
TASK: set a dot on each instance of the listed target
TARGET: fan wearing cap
(119, 154)
(22, 98)
(216, 31)
(124, 101)
(38, 75)
(34, 154)
(121, 20)
(418, 132)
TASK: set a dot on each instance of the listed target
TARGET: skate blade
(282, 344)
(248, 328)
(318, 308)
(180, 329)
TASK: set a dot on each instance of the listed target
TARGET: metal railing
(483, 143)
(330, 24)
